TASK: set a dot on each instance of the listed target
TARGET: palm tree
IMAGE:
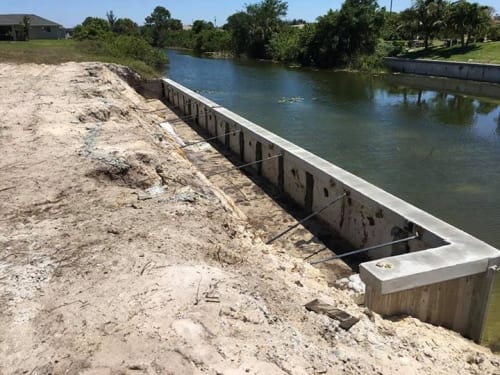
(457, 19)
(430, 15)
(468, 19)
(478, 21)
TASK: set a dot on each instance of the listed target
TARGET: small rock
(369, 314)
(427, 353)
(475, 358)
(385, 265)
(353, 283)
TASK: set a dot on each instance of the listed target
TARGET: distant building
(12, 27)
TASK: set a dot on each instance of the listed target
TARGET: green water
(438, 150)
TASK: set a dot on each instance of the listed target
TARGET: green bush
(180, 39)
(130, 47)
(137, 48)
(285, 45)
(92, 28)
(97, 38)
(383, 49)
(215, 40)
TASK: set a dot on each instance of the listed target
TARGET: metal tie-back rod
(316, 253)
(151, 110)
(416, 236)
(306, 218)
(244, 165)
(210, 139)
(181, 118)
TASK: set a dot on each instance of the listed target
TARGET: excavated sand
(118, 256)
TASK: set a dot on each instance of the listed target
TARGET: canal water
(438, 150)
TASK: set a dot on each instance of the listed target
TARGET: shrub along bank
(358, 35)
(119, 39)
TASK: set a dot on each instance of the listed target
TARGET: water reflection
(486, 108)
(445, 108)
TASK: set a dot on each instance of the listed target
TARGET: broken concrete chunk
(346, 320)
(152, 192)
(188, 194)
(353, 283)
(167, 126)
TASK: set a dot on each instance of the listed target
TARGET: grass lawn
(59, 51)
(488, 52)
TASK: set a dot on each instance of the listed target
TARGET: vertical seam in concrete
(227, 139)
(258, 156)
(309, 196)
(242, 146)
(281, 173)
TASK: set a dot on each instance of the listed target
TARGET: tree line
(358, 35)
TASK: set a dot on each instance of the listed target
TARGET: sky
(71, 13)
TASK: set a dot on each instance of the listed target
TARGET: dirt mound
(117, 256)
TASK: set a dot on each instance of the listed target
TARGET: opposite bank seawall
(443, 277)
(449, 85)
(451, 69)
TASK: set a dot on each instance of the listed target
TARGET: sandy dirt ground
(118, 256)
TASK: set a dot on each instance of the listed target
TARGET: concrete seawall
(451, 85)
(459, 70)
(444, 277)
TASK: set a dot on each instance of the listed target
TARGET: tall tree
(322, 48)
(252, 29)
(175, 24)
(359, 25)
(266, 20)
(431, 18)
(239, 24)
(408, 24)
(200, 26)
(479, 21)
(125, 26)
(111, 19)
(468, 19)
(157, 25)
(390, 29)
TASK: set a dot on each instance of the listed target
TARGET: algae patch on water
(290, 99)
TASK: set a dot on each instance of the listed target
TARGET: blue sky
(70, 13)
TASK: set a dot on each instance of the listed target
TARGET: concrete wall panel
(459, 70)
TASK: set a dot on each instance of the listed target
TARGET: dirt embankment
(117, 256)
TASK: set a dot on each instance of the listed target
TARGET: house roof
(16, 19)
